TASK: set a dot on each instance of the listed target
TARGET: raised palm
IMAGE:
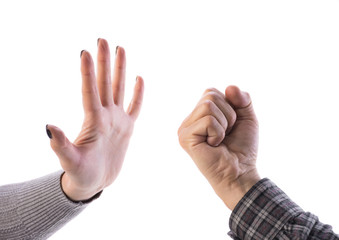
(94, 159)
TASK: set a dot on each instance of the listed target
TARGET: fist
(221, 136)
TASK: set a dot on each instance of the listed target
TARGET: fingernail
(136, 79)
(116, 50)
(98, 41)
(49, 134)
(81, 53)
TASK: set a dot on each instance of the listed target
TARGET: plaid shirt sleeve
(266, 212)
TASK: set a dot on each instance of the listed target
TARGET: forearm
(266, 212)
(35, 209)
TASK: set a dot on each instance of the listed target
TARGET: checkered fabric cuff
(262, 212)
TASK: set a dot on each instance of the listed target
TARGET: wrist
(75, 193)
(232, 193)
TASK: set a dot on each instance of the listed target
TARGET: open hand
(94, 159)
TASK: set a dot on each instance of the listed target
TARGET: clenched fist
(221, 136)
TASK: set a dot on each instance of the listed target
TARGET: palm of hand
(95, 158)
(101, 145)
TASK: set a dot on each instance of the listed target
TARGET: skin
(221, 136)
(93, 161)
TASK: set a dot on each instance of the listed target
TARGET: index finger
(90, 94)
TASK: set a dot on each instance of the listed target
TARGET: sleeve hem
(262, 212)
(97, 195)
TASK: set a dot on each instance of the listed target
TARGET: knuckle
(224, 123)
(211, 96)
(232, 118)
(120, 67)
(87, 71)
(207, 105)
(222, 135)
(208, 90)
(210, 120)
(181, 138)
(137, 102)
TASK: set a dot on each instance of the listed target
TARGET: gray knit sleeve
(35, 209)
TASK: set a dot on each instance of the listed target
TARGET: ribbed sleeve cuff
(35, 209)
(262, 212)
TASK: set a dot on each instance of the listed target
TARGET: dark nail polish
(116, 50)
(98, 41)
(81, 53)
(49, 134)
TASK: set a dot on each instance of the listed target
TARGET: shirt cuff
(86, 201)
(262, 212)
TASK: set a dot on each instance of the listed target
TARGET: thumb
(60, 144)
(241, 101)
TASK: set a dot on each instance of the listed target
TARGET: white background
(284, 53)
